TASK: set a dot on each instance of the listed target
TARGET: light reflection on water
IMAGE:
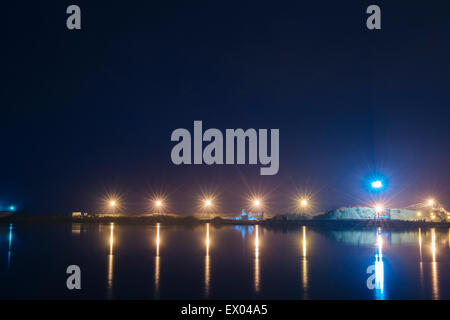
(244, 230)
(434, 272)
(304, 264)
(379, 267)
(248, 262)
(207, 262)
(157, 260)
(9, 245)
(422, 284)
(257, 276)
(110, 262)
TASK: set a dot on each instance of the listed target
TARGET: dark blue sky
(91, 111)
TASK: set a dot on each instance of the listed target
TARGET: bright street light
(304, 203)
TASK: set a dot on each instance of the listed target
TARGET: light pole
(112, 205)
(303, 205)
(379, 208)
(207, 204)
(158, 206)
(257, 204)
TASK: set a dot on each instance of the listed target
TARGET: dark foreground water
(228, 262)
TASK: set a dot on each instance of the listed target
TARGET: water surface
(226, 262)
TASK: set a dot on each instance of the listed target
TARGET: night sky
(90, 112)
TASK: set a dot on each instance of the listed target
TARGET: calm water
(228, 262)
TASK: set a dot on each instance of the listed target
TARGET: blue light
(10, 236)
(9, 248)
(377, 184)
(12, 208)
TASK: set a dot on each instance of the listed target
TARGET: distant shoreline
(192, 220)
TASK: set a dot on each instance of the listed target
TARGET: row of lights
(208, 203)
(303, 203)
(378, 185)
(380, 207)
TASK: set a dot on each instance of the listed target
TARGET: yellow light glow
(304, 241)
(431, 202)
(420, 257)
(157, 261)
(256, 202)
(207, 241)
(434, 270)
(304, 202)
(207, 262)
(110, 275)
(419, 213)
(158, 239)
(256, 272)
(111, 239)
(158, 203)
(112, 202)
(420, 244)
(433, 243)
(305, 261)
(379, 208)
(208, 203)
